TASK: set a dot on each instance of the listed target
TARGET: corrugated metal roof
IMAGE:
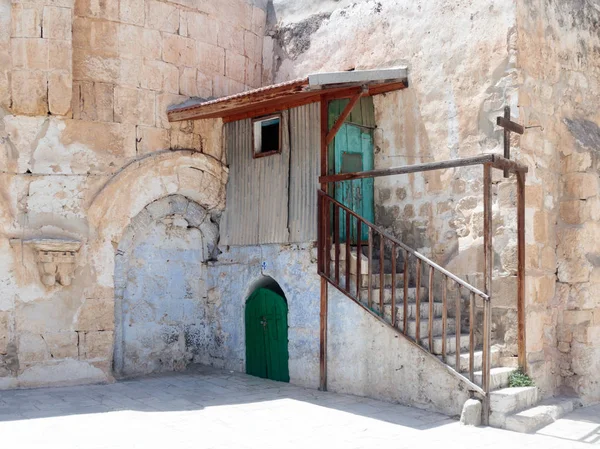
(289, 94)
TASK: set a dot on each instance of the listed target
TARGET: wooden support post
(522, 340)
(345, 113)
(487, 287)
(326, 236)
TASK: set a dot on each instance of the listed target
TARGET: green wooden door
(267, 336)
(352, 152)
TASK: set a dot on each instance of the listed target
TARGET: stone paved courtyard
(207, 408)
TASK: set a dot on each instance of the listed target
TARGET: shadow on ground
(198, 388)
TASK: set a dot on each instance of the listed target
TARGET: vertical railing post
(522, 340)
(325, 237)
(487, 287)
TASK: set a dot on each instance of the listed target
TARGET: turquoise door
(353, 152)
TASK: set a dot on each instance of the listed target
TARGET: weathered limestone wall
(559, 58)
(461, 58)
(85, 145)
(365, 357)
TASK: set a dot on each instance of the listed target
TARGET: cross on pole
(509, 126)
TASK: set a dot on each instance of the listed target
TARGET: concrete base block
(471, 413)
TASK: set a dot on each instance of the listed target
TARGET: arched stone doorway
(160, 288)
(266, 326)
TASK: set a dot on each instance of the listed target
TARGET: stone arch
(159, 311)
(265, 282)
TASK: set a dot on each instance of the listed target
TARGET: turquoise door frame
(353, 151)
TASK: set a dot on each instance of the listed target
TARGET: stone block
(534, 196)
(132, 11)
(29, 54)
(238, 12)
(135, 106)
(160, 76)
(29, 92)
(253, 47)
(577, 317)
(548, 259)
(100, 9)
(60, 55)
(96, 37)
(223, 86)
(235, 66)
(95, 68)
(195, 214)
(231, 38)
(25, 21)
(163, 101)
(259, 20)
(115, 138)
(504, 292)
(139, 43)
(179, 50)
(541, 223)
(95, 314)
(203, 85)
(199, 26)
(253, 74)
(4, 332)
(162, 16)
(60, 88)
(97, 345)
(576, 162)
(130, 74)
(574, 211)
(32, 348)
(57, 23)
(210, 58)
(187, 82)
(580, 185)
(62, 345)
(471, 413)
(152, 139)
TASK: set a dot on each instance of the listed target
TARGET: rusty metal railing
(337, 220)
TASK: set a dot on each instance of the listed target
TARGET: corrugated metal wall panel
(304, 180)
(273, 199)
(273, 191)
(240, 220)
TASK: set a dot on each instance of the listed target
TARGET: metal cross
(508, 125)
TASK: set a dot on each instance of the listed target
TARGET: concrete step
(546, 412)
(508, 401)
(450, 344)
(478, 360)
(498, 377)
(387, 295)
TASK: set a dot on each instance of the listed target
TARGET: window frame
(279, 116)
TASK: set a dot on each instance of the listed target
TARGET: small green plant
(519, 379)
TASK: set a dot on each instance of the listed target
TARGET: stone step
(424, 327)
(450, 344)
(546, 412)
(498, 377)
(478, 360)
(412, 310)
(387, 295)
(508, 401)
(387, 280)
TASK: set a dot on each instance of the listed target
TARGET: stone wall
(85, 145)
(559, 60)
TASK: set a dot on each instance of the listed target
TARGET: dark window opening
(267, 136)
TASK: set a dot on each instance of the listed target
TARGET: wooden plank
(487, 285)
(358, 257)
(393, 284)
(418, 303)
(445, 318)
(509, 125)
(472, 336)
(431, 309)
(521, 325)
(340, 120)
(381, 274)
(497, 161)
(458, 328)
(406, 275)
(370, 286)
(348, 216)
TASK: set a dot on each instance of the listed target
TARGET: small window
(267, 135)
